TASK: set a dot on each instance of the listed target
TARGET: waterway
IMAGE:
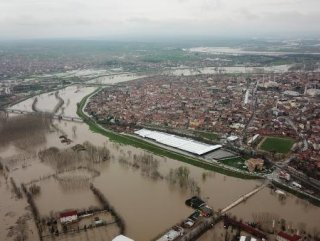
(186, 71)
(114, 78)
(148, 206)
(239, 51)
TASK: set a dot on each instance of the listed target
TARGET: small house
(68, 217)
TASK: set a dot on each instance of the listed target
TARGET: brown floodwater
(148, 206)
(296, 212)
(11, 209)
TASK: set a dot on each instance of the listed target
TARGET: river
(227, 70)
(148, 206)
(239, 51)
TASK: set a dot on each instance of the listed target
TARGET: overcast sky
(110, 18)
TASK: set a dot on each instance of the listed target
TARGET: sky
(28, 19)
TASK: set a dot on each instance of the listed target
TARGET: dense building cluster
(178, 102)
(267, 104)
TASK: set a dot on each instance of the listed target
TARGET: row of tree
(106, 205)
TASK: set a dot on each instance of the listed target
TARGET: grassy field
(207, 135)
(277, 144)
(237, 162)
(130, 140)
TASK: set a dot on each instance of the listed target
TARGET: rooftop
(289, 236)
(68, 214)
(178, 142)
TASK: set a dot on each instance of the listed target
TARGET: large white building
(182, 143)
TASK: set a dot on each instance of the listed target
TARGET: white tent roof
(178, 142)
(122, 238)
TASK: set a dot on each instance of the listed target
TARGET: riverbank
(310, 198)
(136, 142)
(135, 183)
(158, 150)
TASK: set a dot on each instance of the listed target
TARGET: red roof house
(282, 236)
(69, 216)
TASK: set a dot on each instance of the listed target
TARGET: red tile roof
(68, 214)
(288, 236)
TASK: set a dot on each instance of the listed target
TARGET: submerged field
(277, 144)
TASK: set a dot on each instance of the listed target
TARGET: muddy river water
(148, 206)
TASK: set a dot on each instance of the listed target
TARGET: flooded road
(148, 205)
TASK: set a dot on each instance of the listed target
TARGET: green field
(237, 162)
(207, 135)
(277, 144)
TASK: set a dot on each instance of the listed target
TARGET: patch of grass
(207, 135)
(237, 162)
(277, 144)
(240, 163)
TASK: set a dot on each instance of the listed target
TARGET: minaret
(306, 84)
(305, 89)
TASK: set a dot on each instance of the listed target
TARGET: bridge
(244, 198)
(206, 223)
(54, 116)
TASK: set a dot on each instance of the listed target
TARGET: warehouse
(178, 142)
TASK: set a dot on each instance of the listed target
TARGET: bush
(34, 189)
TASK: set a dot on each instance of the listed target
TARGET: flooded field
(297, 212)
(97, 234)
(218, 233)
(15, 218)
(78, 73)
(228, 70)
(71, 96)
(114, 78)
(239, 51)
(48, 101)
(143, 188)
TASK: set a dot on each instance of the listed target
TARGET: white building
(122, 238)
(181, 143)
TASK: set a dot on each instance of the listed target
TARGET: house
(255, 164)
(206, 211)
(68, 217)
(282, 236)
